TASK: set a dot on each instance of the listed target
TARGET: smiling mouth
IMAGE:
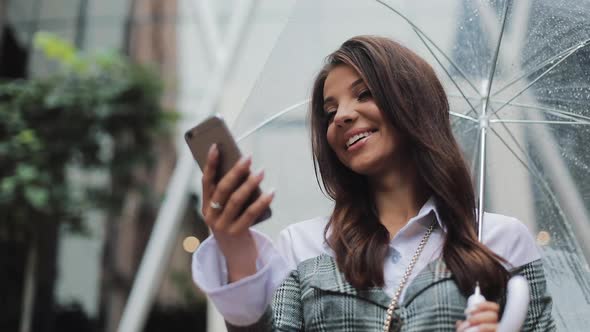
(358, 137)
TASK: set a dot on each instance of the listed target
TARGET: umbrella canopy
(517, 74)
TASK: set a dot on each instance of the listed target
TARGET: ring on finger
(215, 205)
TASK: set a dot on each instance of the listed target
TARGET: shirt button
(395, 255)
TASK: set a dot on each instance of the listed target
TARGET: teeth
(356, 137)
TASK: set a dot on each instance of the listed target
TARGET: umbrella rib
(495, 59)
(532, 169)
(536, 174)
(512, 150)
(552, 111)
(542, 64)
(448, 74)
(463, 116)
(539, 122)
(511, 135)
(462, 96)
(578, 118)
(536, 79)
(416, 28)
(272, 118)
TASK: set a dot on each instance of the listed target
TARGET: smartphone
(214, 130)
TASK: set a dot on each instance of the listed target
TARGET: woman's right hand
(225, 214)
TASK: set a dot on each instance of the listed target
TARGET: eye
(364, 95)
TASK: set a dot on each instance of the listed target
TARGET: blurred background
(93, 100)
(99, 196)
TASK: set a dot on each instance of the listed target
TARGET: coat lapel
(435, 272)
(327, 277)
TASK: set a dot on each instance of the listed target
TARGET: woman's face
(361, 137)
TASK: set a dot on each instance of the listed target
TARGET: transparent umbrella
(517, 74)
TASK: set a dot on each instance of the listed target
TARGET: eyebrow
(352, 86)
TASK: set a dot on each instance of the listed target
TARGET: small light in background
(190, 244)
(543, 238)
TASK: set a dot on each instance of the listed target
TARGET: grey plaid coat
(316, 297)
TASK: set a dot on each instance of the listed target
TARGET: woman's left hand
(484, 318)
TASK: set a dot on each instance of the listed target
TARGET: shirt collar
(428, 207)
(421, 218)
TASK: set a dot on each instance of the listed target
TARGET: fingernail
(212, 149)
(463, 325)
(260, 173)
(272, 192)
(245, 160)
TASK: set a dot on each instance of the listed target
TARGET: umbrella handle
(517, 303)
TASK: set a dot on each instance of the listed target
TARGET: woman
(400, 250)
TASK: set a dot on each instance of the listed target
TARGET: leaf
(60, 50)
(26, 173)
(8, 184)
(37, 196)
(27, 137)
(98, 112)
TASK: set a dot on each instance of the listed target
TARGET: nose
(345, 115)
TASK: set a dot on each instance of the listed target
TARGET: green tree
(97, 114)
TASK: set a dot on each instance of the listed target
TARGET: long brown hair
(407, 91)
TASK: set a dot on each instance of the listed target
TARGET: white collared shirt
(244, 302)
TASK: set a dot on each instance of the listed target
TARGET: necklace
(405, 277)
